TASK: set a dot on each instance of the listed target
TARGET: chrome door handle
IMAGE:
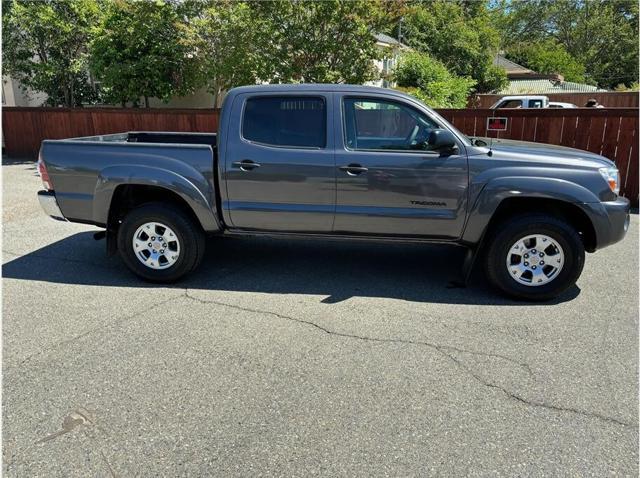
(354, 169)
(245, 165)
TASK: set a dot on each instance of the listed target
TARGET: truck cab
(521, 101)
(340, 160)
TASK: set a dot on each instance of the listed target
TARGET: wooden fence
(611, 132)
(608, 99)
(25, 128)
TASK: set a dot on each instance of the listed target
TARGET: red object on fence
(496, 124)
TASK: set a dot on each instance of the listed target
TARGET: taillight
(44, 175)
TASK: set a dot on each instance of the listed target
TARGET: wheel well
(568, 212)
(129, 196)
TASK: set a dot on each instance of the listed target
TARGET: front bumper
(49, 203)
(611, 221)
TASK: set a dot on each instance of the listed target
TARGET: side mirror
(441, 140)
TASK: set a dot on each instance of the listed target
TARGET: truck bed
(85, 171)
(164, 137)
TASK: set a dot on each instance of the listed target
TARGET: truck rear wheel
(160, 243)
(534, 257)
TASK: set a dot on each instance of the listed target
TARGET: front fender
(112, 177)
(499, 189)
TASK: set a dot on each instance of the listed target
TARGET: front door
(388, 182)
(280, 167)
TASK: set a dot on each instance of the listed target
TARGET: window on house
(286, 121)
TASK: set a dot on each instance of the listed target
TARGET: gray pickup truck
(342, 161)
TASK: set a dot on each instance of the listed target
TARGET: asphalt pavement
(304, 358)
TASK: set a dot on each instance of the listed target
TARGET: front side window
(385, 125)
(295, 121)
(511, 104)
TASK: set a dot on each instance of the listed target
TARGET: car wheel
(160, 243)
(534, 257)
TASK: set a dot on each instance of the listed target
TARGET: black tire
(508, 232)
(189, 234)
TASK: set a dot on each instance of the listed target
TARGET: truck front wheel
(534, 257)
(160, 243)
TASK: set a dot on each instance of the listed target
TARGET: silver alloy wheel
(156, 245)
(535, 260)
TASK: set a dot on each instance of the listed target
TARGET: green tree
(231, 44)
(548, 57)
(429, 80)
(460, 35)
(320, 42)
(45, 47)
(600, 34)
(141, 51)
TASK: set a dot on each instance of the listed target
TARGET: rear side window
(297, 121)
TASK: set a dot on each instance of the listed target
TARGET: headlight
(612, 177)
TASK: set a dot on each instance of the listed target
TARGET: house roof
(510, 66)
(388, 40)
(544, 86)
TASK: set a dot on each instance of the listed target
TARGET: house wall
(13, 95)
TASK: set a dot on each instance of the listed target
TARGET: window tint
(535, 103)
(285, 121)
(379, 124)
(511, 104)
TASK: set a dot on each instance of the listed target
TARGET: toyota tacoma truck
(339, 161)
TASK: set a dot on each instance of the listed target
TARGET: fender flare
(497, 190)
(113, 176)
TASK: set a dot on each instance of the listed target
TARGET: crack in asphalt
(96, 329)
(444, 350)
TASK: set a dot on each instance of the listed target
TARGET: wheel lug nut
(164, 245)
(526, 263)
(533, 267)
(161, 251)
(541, 263)
(149, 244)
(533, 251)
(153, 238)
(542, 254)
(526, 256)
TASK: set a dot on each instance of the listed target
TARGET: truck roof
(311, 87)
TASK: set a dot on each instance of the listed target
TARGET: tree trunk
(146, 101)
(66, 97)
(72, 95)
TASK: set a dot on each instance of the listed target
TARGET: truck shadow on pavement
(337, 270)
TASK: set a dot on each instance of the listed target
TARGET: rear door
(280, 168)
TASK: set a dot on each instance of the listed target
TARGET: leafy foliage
(45, 47)
(139, 52)
(229, 40)
(460, 35)
(548, 57)
(319, 42)
(430, 81)
(600, 34)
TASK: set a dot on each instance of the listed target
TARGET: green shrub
(429, 80)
